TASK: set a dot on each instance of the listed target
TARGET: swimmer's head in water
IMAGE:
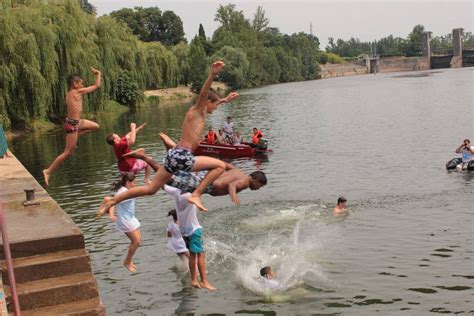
(259, 179)
(341, 200)
(267, 272)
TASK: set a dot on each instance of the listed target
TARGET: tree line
(394, 46)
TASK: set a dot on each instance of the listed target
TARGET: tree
(197, 64)
(170, 29)
(413, 47)
(260, 22)
(127, 92)
(236, 66)
(201, 32)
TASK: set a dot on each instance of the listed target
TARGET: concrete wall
(395, 64)
(339, 70)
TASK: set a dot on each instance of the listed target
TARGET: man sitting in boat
(257, 139)
(211, 136)
(467, 152)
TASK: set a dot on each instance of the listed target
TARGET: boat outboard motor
(262, 144)
(451, 165)
(470, 165)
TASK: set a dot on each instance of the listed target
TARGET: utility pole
(311, 28)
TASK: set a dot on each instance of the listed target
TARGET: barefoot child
(74, 125)
(123, 215)
(122, 146)
(175, 239)
(181, 157)
(192, 235)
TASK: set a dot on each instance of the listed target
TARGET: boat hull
(229, 151)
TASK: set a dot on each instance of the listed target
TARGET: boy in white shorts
(192, 235)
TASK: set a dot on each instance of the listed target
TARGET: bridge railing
(9, 262)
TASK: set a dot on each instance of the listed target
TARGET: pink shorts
(137, 167)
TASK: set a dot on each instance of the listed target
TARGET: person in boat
(257, 140)
(229, 130)
(341, 206)
(467, 152)
(121, 146)
(74, 126)
(181, 158)
(221, 137)
(231, 182)
(238, 139)
(210, 137)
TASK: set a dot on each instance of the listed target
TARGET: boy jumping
(181, 157)
(122, 146)
(74, 125)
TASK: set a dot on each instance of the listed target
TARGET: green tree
(237, 64)
(260, 22)
(197, 64)
(413, 47)
(201, 32)
(127, 92)
(181, 51)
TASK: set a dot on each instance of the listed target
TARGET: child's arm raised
(131, 137)
(95, 86)
(202, 98)
(230, 97)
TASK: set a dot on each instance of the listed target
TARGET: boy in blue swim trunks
(181, 157)
(192, 235)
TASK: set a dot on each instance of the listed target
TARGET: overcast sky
(366, 20)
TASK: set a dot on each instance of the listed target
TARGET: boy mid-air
(181, 158)
(74, 125)
(122, 146)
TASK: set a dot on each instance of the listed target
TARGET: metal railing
(9, 263)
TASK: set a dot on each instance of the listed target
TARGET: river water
(405, 247)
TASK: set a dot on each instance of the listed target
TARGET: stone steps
(91, 307)
(48, 266)
(55, 291)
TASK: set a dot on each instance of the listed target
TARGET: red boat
(229, 151)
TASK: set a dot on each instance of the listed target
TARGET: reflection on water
(406, 244)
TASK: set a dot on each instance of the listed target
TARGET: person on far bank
(467, 152)
(341, 206)
(121, 146)
(229, 130)
(74, 125)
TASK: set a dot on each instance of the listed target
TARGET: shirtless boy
(181, 157)
(74, 125)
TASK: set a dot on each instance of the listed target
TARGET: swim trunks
(189, 181)
(179, 158)
(71, 125)
(194, 242)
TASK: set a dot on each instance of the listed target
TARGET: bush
(127, 90)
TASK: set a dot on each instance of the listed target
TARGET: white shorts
(127, 225)
(462, 166)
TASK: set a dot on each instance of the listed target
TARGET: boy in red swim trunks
(74, 125)
(122, 146)
(181, 158)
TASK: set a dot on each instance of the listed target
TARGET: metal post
(9, 263)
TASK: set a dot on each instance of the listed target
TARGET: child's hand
(217, 67)
(95, 71)
(235, 200)
(112, 217)
(232, 96)
(142, 126)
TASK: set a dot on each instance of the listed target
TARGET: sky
(366, 20)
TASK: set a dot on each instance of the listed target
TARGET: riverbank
(181, 93)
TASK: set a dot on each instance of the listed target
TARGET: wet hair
(229, 118)
(126, 177)
(264, 271)
(212, 95)
(341, 199)
(259, 176)
(72, 79)
(467, 140)
(173, 213)
(110, 139)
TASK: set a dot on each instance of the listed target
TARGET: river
(406, 245)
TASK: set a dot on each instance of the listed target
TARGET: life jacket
(256, 137)
(211, 137)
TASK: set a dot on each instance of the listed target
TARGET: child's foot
(169, 143)
(195, 283)
(207, 285)
(196, 200)
(46, 176)
(130, 266)
(104, 207)
(138, 153)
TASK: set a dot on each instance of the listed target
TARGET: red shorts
(71, 126)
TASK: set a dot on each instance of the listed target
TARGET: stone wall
(394, 64)
(339, 70)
